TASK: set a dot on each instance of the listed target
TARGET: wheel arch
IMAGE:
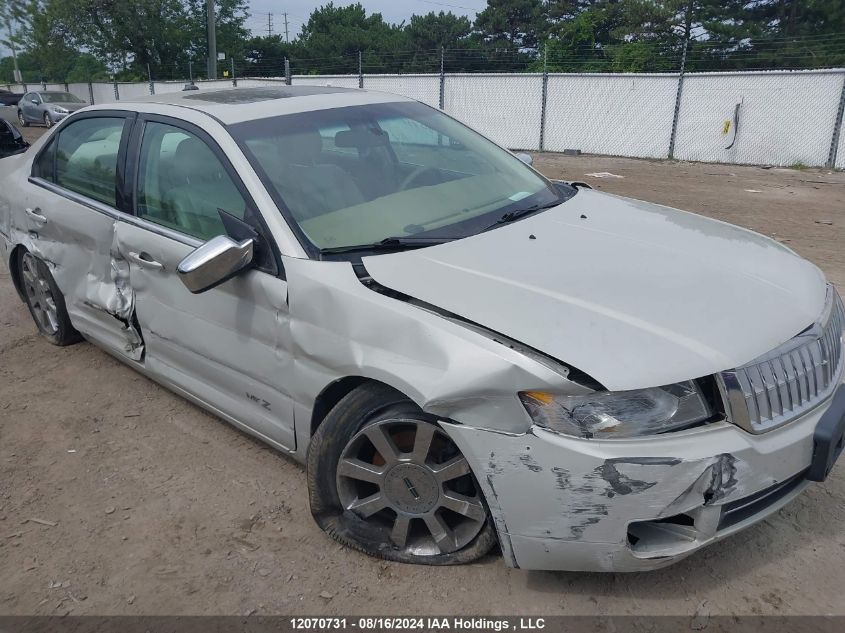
(14, 268)
(335, 391)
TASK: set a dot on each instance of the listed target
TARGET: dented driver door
(67, 218)
(225, 347)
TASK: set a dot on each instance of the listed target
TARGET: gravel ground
(118, 497)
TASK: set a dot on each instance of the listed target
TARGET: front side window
(86, 157)
(359, 175)
(182, 185)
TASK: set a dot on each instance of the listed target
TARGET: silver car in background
(47, 107)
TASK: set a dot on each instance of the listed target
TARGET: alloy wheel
(38, 293)
(48, 121)
(20, 118)
(408, 479)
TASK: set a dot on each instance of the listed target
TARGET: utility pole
(287, 39)
(269, 25)
(212, 39)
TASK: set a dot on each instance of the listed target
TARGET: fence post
(442, 77)
(287, 71)
(545, 96)
(116, 89)
(91, 93)
(150, 77)
(678, 93)
(234, 79)
(360, 71)
(837, 128)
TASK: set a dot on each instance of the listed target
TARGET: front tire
(22, 119)
(45, 301)
(48, 121)
(386, 480)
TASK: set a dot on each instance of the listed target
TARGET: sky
(394, 11)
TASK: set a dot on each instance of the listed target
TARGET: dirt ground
(118, 497)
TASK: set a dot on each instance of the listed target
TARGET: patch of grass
(799, 166)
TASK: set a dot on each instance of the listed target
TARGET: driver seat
(308, 187)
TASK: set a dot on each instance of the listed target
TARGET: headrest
(194, 161)
(303, 147)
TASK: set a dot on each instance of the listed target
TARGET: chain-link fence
(785, 118)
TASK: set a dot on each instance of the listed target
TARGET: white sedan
(463, 352)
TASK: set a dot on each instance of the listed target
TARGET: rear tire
(420, 504)
(22, 120)
(45, 301)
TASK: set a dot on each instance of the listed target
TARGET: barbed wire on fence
(663, 55)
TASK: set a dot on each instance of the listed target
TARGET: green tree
(130, 36)
(14, 21)
(428, 34)
(265, 56)
(26, 64)
(435, 30)
(332, 37)
(232, 35)
(514, 24)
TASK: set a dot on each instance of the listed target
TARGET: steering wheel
(414, 175)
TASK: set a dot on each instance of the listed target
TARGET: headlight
(615, 414)
(59, 110)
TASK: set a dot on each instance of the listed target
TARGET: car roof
(235, 105)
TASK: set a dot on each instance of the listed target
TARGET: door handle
(144, 260)
(35, 214)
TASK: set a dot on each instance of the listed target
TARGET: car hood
(632, 293)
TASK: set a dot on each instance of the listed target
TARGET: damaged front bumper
(632, 505)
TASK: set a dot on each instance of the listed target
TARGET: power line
(453, 6)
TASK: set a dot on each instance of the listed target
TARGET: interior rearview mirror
(361, 139)
(525, 158)
(216, 261)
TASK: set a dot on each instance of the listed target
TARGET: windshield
(59, 97)
(363, 174)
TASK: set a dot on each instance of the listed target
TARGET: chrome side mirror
(216, 261)
(525, 158)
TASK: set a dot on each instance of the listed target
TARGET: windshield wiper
(512, 216)
(388, 244)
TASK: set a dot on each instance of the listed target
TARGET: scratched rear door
(67, 217)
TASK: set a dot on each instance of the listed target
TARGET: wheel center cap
(411, 488)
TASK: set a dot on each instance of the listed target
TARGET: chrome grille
(790, 380)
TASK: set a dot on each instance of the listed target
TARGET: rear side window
(86, 158)
(44, 167)
(182, 184)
